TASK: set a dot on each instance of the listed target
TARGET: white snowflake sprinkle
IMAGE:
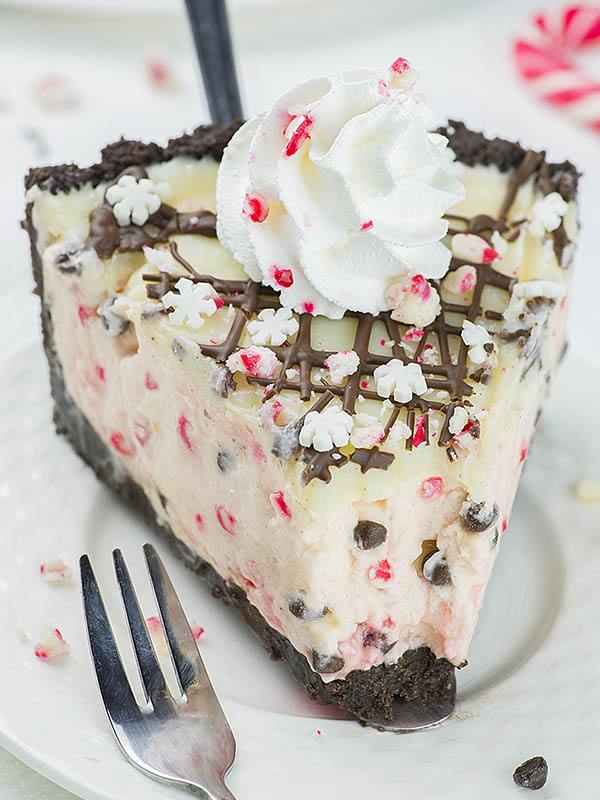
(341, 365)
(478, 340)
(400, 380)
(324, 430)
(194, 302)
(273, 327)
(133, 200)
(547, 214)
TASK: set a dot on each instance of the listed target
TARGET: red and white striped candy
(546, 59)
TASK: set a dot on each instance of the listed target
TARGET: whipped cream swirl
(338, 191)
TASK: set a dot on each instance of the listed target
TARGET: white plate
(532, 687)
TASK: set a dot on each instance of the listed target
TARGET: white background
(461, 48)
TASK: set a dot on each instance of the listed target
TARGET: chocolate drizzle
(106, 236)
(450, 375)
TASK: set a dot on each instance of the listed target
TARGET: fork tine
(150, 671)
(114, 687)
(188, 663)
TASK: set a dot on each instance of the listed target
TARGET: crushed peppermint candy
(366, 432)
(341, 365)
(255, 207)
(381, 574)
(413, 300)
(133, 200)
(55, 571)
(52, 646)
(458, 420)
(197, 630)
(279, 503)
(413, 335)
(432, 488)
(256, 362)
(462, 280)
(473, 248)
(400, 380)
(478, 340)
(403, 75)
(324, 430)
(273, 327)
(547, 214)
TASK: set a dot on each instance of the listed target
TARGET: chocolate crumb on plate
(532, 774)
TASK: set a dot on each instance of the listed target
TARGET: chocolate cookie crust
(206, 140)
(418, 677)
(473, 148)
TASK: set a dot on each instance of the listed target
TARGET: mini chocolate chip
(494, 541)
(377, 639)
(436, 570)
(369, 534)
(478, 517)
(326, 663)
(225, 460)
(299, 609)
(532, 774)
(488, 347)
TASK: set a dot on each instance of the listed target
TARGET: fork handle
(222, 793)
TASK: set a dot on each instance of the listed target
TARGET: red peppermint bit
(99, 370)
(150, 383)
(279, 504)
(467, 283)
(218, 300)
(200, 524)
(255, 207)
(119, 442)
(250, 362)
(142, 432)
(226, 519)
(364, 384)
(85, 314)
(523, 455)
(432, 488)
(276, 409)
(318, 732)
(308, 306)
(413, 335)
(419, 285)
(299, 136)
(197, 630)
(382, 342)
(248, 583)
(158, 72)
(388, 622)
(366, 226)
(283, 277)
(489, 255)
(258, 453)
(504, 524)
(400, 65)
(419, 434)
(382, 571)
(41, 653)
(183, 429)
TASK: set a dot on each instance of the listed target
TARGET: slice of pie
(312, 351)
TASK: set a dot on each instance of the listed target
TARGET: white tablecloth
(461, 48)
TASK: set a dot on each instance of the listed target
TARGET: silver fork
(185, 741)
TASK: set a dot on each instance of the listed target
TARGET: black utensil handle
(210, 29)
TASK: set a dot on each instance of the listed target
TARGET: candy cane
(546, 60)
